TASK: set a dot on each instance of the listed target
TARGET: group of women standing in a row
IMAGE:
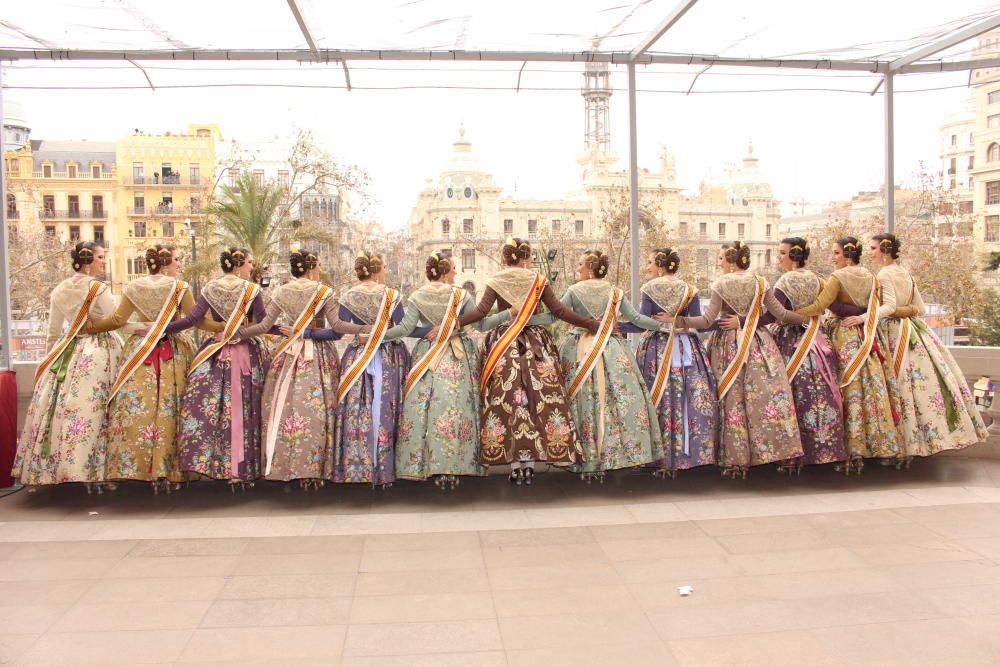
(772, 383)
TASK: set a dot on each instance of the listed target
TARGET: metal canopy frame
(912, 62)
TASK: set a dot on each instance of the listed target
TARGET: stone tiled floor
(892, 568)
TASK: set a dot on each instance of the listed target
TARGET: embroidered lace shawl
(737, 290)
(224, 293)
(432, 301)
(857, 282)
(512, 284)
(594, 294)
(148, 294)
(364, 299)
(667, 292)
(801, 286)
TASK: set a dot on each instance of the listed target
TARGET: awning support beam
(673, 17)
(946, 42)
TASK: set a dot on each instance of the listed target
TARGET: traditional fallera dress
(869, 428)
(937, 409)
(682, 386)
(65, 435)
(526, 416)
(439, 431)
(300, 389)
(144, 413)
(221, 407)
(615, 420)
(758, 413)
(370, 397)
(812, 366)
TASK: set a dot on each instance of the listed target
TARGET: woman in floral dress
(144, 413)
(758, 415)
(526, 417)
(300, 388)
(818, 401)
(615, 421)
(439, 433)
(65, 434)
(373, 375)
(688, 408)
(937, 409)
(221, 407)
(869, 396)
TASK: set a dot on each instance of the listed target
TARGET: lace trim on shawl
(223, 294)
(293, 297)
(364, 299)
(512, 284)
(432, 301)
(70, 293)
(737, 290)
(856, 282)
(149, 293)
(666, 292)
(801, 286)
(594, 294)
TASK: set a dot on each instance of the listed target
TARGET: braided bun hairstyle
(668, 259)
(515, 250)
(367, 265)
(851, 248)
(597, 261)
(302, 261)
(158, 257)
(233, 258)
(798, 251)
(888, 244)
(82, 254)
(738, 253)
(437, 267)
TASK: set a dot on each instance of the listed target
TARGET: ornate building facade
(464, 211)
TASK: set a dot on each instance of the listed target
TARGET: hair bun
(367, 265)
(515, 250)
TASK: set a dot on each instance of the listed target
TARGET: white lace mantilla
(594, 294)
(667, 292)
(801, 286)
(149, 293)
(513, 284)
(224, 294)
(432, 301)
(295, 296)
(737, 289)
(364, 300)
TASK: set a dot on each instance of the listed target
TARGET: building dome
(15, 125)
(462, 159)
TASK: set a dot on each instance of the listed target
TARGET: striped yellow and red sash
(802, 349)
(139, 354)
(448, 327)
(853, 367)
(600, 341)
(74, 329)
(513, 331)
(232, 326)
(307, 315)
(745, 338)
(902, 347)
(660, 382)
(379, 329)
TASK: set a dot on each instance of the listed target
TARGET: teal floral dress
(439, 429)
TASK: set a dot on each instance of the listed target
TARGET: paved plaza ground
(892, 568)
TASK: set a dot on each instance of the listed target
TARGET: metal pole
(633, 184)
(890, 158)
(6, 340)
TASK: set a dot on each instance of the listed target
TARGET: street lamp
(194, 250)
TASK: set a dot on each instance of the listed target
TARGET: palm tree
(248, 215)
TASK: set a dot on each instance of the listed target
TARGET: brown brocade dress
(526, 416)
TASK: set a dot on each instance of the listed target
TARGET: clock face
(450, 193)
(468, 192)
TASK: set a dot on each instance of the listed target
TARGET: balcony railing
(81, 174)
(160, 209)
(172, 179)
(13, 215)
(57, 214)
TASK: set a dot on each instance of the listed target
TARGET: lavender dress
(688, 410)
(368, 418)
(221, 407)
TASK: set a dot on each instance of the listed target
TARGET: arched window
(140, 264)
(993, 153)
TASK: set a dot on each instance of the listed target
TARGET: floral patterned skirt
(212, 443)
(439, 433)
(525, 413)
(758, 414)
(65, 434)
(818, 401)
(615, 421)
(937, 410)
(688, 411)
(368, 419)
(299, 420)
(144, 418)
(869, 430)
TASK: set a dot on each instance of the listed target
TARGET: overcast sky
(813, 145)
